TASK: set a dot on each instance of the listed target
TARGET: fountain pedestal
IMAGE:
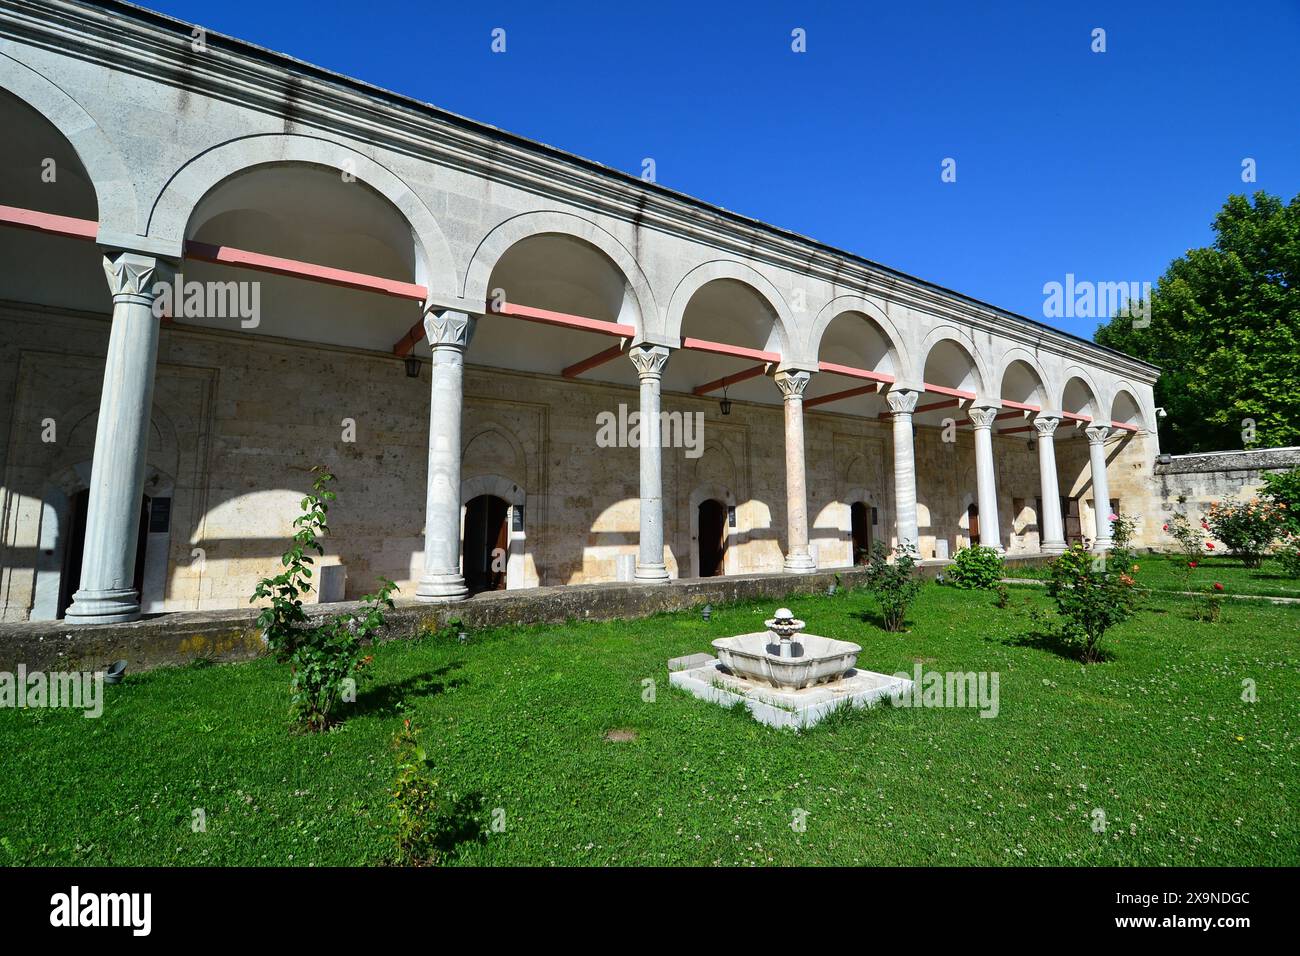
(783, 677)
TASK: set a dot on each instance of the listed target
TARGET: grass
(1158, 738)
(1164, 572)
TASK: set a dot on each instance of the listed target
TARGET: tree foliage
(1225, 331)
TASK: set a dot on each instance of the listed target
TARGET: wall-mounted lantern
(412, 363)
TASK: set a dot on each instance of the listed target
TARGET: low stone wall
(1215, 476)
(181, 638)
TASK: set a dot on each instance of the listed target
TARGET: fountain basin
(813, 659)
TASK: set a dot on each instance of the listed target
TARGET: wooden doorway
(1073, 528)
(713, 538)
(70, 579)
(487, 543)
(973, 524)
(860, 522)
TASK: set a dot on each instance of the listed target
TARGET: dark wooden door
(973, 523)
(713, 538)
(860, 516)
(487, 541)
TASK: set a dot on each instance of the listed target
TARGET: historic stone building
(222, 266)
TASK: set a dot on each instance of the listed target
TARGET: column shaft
(986, 482)
(1051, 534)
(449, 334)
(797, 559)
(902, 404)
(1100, 487)
(650, 567)
(107, 590)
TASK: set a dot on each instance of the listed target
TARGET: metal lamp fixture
(412, 363)
(725, 403)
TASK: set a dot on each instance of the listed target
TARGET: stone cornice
(131, 39)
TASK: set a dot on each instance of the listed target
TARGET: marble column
(797, 559)
(107, 593)
(1051, 534)
(1097, 435)
(449, 334)
(649, 361)
(986, 482)
(902, 403)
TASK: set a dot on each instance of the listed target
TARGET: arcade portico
(439, 311)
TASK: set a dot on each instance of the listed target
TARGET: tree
(1225, 331)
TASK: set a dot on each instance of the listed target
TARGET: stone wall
(240, 420)
(1213, 476)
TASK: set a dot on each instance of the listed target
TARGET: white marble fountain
(784, 677)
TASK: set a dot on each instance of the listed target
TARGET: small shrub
(1209, 606)
(1282, 489)
(1247, 528)
(1093, 593)
(1190, 540)
(1004, 596)
(894, 584)
(322, 657)
(413, 803)
(976, 568)
(1288, 556)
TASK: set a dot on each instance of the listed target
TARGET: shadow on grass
(1054, 643)
(386, 699)
(877, 620)
(460, 825)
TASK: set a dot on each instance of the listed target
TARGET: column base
(112, 606)
(1104, 545)
(799, 564)
(441, 588)
(1053, 547)
(651, 574)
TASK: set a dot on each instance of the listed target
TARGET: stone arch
(1078, 372)
(494, 430)
(951, 333)
(170, 213)
(1114, 410)
(744, 274)
(115, 193)
(498, 242)
(1017, 354)
(856, 303)
(518, 572)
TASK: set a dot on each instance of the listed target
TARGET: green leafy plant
(894, 584)
(979, 568)
(1248, 528)
(1191, 540)
(1282, 489)
(1093, 593)
(1004, 596)
(414, 803)
(323, 656)
(1208, 607)
(1288, 556)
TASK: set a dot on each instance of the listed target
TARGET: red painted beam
(837, 396)
(722, 348)
(732, 379)
(48, 223)
(944, 390)
(1020, 405)
(851, 372)
(564, 319)
(1012, 431)
(600, 358)
(413, 335)
(242, 258)
(1127, 428)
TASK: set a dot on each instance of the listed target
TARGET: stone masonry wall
(239, 422)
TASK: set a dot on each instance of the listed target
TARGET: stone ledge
(231, 635)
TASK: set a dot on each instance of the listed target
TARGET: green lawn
(1165, 572)
(1158, 738)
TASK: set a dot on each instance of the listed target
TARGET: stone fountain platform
(705, 677)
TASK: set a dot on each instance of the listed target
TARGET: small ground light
(707, 612)
(412, 363)
(115, 673)
(830, 589)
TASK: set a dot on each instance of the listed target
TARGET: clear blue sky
(1105, 165)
